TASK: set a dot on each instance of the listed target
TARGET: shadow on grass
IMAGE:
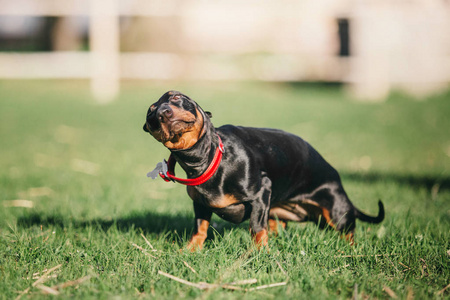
(148, 222)
(414, 181)
(162, 223)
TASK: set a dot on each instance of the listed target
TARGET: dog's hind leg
(275, 224)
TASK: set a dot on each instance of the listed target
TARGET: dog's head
(176, 120)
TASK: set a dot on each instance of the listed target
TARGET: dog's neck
(195, 160)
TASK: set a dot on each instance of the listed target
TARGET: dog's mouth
(172, 131)
(165, 130)
(173, 127)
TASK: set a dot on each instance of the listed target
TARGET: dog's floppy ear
(145, 127)
(209, 114)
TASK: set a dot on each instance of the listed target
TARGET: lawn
(92, 225)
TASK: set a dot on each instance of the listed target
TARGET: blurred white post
(104, 46)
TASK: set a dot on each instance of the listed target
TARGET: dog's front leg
(260, 214)
(202, 219)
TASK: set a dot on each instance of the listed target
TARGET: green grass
(83, 166)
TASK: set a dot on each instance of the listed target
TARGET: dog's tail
(363, 217)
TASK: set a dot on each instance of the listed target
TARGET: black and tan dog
(242, 173)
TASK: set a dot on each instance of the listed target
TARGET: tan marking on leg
(261, 238)
(316, 211)
(273, 225)
(326, 216)
(197, 240)
(349, 237)
(287, 213)
(300, 210)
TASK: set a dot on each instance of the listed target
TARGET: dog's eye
(190, 107)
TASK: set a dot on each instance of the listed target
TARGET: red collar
(212, 168)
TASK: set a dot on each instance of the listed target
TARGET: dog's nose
(165, 113)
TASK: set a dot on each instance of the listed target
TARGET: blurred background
(342, 74)
(308, 67)
(372, 47)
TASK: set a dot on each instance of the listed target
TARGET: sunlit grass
(82, 168)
